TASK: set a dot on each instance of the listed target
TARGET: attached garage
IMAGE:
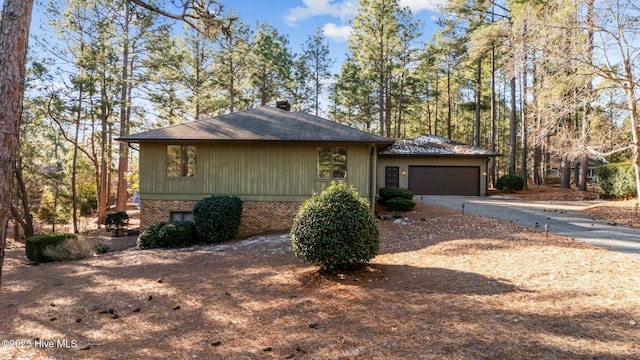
(431, 165)
(444, 180)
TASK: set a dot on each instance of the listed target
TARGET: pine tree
(270, 64)
(315, 56)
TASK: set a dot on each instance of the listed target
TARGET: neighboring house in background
(272, 159)
(431, 165)
(556, 172)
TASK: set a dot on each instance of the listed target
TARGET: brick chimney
(283, 105)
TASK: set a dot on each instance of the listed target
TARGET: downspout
(373, 163)
(486, 177)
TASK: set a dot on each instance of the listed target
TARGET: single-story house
(274, 159)
(555, 170)
(431, 165)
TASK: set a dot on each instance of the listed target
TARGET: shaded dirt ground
(445, 286)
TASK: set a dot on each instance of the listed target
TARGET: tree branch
(601, 156)
(204, 16)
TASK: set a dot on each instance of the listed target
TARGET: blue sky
(299, 18)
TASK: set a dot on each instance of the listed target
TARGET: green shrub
(35, 246)
(177, 234)
(150, 238)
(400, 204)
(71, 249)
(510, 183)
(217, 218)
(117, 223)
(54, 209)
(168, 235)
(335, 228)
(388, 193)
(616, 180)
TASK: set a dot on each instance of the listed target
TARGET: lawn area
(446, 285)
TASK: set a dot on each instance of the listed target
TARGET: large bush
(616, 180)
(335, 228)
(150, 237)
(388, 193)
(54, 210)
(510, 183)
(177, 234)
(35, 246)
(400, 204)
(168, 235)
(117, 223)
(72, 248)
(217, 218)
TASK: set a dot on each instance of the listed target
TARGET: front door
(392, 176)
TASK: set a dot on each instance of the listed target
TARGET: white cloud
(344, 10)
(338, 33)
(419, 5)
(347, 9)
(310, 9)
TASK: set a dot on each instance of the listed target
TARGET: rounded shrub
(168, 235)
(510, 183)
(117, 223)
(616, 180)
(72, 248)
(217, 218)
(335, 228)
(177, 234)
(36, 246)
(400, 204)
(388, 193)
(150, 237)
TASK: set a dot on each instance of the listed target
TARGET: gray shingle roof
(434, 145)
(260, 124)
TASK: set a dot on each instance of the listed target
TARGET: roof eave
(441, 155)
(387, 144)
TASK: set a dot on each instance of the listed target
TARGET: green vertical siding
(404, 163)
(253, 171)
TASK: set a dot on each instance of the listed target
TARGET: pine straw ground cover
(445, 286)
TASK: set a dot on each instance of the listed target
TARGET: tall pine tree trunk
(523, 112)
(565, 172)
(586, 121)
(537, 126)
(476, 123)
(123, 156)
(523, 138)
(74, 165)
(492, 165)
(103, 193)
(14, 35)
(512, 127)
(449, 102)
(26, 219)
(436, 108)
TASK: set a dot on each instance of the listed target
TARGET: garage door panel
(444, 180)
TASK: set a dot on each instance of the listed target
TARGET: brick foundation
(257, 216)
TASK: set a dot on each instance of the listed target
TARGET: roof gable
(434, 145)
(259, 124)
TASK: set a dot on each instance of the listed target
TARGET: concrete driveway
(562, 217)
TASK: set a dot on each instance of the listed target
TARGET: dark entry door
(444, 180)
(392, 176)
